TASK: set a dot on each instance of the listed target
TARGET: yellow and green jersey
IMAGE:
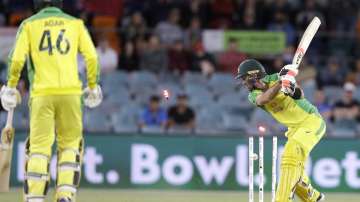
(50, 41)
(284, 109)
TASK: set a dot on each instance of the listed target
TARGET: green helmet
(40, 4)
(250, 67)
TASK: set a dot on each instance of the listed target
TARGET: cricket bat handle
(9, 120)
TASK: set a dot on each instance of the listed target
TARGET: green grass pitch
(121, 195)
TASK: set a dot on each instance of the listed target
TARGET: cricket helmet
(250, 67)
(40, 4)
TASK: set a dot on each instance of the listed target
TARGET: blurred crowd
(164, 37)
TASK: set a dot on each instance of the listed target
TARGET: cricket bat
(305, 41)
(6, 144)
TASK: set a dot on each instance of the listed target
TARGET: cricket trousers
(54, 117)
(293, 178)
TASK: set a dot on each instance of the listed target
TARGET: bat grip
(9, 120)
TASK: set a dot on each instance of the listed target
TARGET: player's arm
(266, 96)
(18, 56)
(88, 51)
(10, 97)
(92, 94)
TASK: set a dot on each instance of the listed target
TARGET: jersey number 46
(62, 44)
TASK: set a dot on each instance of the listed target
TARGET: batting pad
(69, 172)
(36, 176)
(292, 166)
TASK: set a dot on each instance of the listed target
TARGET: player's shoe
(321, 197)
(64, 200)
(311, 194)
(316, 196)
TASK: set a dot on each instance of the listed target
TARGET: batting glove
(10, 97)
(92, 97)
(288, 84)
(290, 70)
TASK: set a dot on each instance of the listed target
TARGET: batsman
(279, 95)
(49, 42)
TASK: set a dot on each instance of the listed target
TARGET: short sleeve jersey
(181, 118)
(154, 118)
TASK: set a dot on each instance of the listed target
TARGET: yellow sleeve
(87, 49)
(18, 56)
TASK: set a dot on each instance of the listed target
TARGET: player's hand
(93, 97)
(10, 97)
(288, 84)
(290, 70)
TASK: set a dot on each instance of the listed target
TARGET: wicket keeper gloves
(93, 97)
(10, 97)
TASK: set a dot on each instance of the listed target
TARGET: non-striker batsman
(49, 43)
(289, 107)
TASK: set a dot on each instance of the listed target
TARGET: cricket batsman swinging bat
(6, 144)
(305, 41)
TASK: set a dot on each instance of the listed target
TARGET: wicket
(253, 156)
